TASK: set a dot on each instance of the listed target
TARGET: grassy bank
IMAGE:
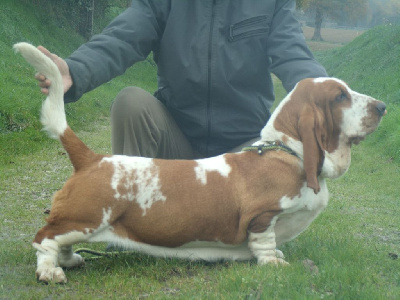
(371, 65)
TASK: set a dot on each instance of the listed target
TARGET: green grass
(349, 243)
(20, 98)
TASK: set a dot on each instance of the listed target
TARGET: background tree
(342, 11)
(85, 16)
(383, 11)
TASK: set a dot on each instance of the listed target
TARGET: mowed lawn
(350, 252)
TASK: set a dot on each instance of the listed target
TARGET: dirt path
(333, 37)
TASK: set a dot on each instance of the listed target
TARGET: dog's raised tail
(53, 116)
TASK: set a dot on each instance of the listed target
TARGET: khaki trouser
(142, 126)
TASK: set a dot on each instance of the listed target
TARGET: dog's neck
(337, 162)
(270, 133)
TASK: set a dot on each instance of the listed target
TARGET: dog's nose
(381, 108)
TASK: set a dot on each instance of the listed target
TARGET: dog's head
(327, 117)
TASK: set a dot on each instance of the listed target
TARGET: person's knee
(130, 102)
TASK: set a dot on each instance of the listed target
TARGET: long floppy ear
(311, 131)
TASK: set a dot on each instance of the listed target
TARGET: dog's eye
(341, 97)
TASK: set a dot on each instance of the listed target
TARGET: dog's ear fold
(311, 135)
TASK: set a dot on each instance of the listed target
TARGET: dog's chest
(299, 212)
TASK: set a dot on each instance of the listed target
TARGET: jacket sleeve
(291, 59)
(129, 38)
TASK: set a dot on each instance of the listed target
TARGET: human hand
(45, 83)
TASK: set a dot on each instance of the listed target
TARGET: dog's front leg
(263, 246)
(47, 262)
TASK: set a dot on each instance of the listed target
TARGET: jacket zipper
(210, 40)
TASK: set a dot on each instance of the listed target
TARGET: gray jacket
(214, 60)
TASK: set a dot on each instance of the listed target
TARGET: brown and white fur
(233, 206)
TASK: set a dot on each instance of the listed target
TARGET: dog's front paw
(279, 254)
(271, 260)
(51, 275)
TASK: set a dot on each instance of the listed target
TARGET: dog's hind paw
(72, 261)
(51, 275)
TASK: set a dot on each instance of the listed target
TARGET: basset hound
(234, 206)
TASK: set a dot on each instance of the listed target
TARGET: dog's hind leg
(68, 259)
(54, 250)
(51, 257)
(47, 262)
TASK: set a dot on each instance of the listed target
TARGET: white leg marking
(67, 258)
(47, 264)
(263, 246)
(279, 254)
